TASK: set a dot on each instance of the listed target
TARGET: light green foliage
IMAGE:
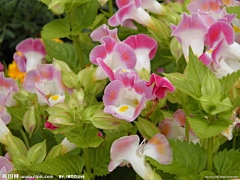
(84, 16)
(63, 51)
(227, 163)
(100, 157)
(88, 112)
(204, 129)
(17, 112)
(188, 160)
(37, 153)
(71, 4)
(210, 85)
(229, 80)
(188, 86)
(196, 69)
(61, 165)
(84, 137)
(234, 10)
(58, 28)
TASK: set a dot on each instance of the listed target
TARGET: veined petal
(170, 128)
(46, 71)
(67, 146)
(7, 164)
(4, 132)
(8, 83)
(42, 98)
(180, 117)
(20, 60)
(31, 78)
(159, 149)
(102, 31)
(130, 12)
(205, 6)
(123, 149)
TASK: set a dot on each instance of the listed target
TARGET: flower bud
(55, 151)
(155, 176)
(37, 152)
(22, 95)
(57, 6)
(145, 74)
(57, 108)
(70, 79)
(73, 102)
(102, 120)
(79, 95)
(62, 118)
(90, 84)
(29, 121)
(21, 162)
(176, 48)
(1, 67)
(60, 130)
(160, 32)
(147, 128)
(61, 65)
(16, 146)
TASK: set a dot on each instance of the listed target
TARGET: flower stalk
(210, 148)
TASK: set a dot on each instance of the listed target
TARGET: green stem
(87, 160)
(210, 148)
(210, 154)
(110, 6)
(76, 42)
(25, 138)
(187, 130)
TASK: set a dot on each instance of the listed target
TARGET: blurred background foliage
(20, 19)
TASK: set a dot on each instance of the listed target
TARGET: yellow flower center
(210, 51)
(236, 29)
(124, 108)
(55, 97)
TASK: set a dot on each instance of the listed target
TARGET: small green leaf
(204, 129)
(87, 137)
(194, 107)
(196, 69)
(227, 163)
(59, 28)
(100, 156)
(188, 86)
(17, 112)
(61, 165)
(229, 80)
(62, 51)
(210, 85)
(88, 112)
(234, 10)
(71, 4)
(188, 160)
(84, 15)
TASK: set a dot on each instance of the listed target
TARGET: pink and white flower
(126, 95)
(110, 56)
(145, 49)
(174, 128)
(8, 87)
(30, 52)
(5, 167)
(127, 150)
(161, 87)
(103, 31)
(46, 82)
(190, 32)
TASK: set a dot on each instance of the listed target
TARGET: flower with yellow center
(15, 73)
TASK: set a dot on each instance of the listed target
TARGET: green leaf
(196, 69)
(100, 157)
(203, 129)
(88, 112)
(62, 51)
(87, 137)
(210, 85)
(61, 165)
(207, 173)
(188, 86)
(47, 2)
(229, 80)
(194, 107)
(59, 28)
(84, 15)
(234, 10)
(17, 112)
(227, 163)
(71, 4)
(188, 160)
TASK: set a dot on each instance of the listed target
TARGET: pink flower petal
(6, 163)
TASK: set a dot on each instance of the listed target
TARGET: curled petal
(4, 162)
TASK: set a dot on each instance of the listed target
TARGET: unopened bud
(57, 108)
(79, 95)
(21, 162)
(61, 65)
(60, 119)
(29, 121)
(37, 152)
(176, 48)
(70, 79)
(147, 128)
(73, 102)
(55, 151)
(22, 95)
(144, 74)
(103, 120)
(16, 146)
(57, 6)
